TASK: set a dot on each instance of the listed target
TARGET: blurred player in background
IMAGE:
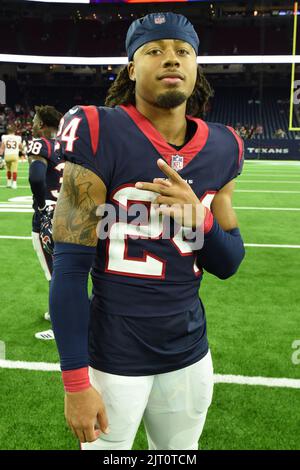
(45, 178)
(10, 147)
(2, 163)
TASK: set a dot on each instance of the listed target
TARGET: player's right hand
(85, 414)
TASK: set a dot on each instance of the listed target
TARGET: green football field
(253, 325)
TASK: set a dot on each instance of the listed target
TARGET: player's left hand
(175, 197)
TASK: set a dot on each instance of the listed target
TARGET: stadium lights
(226, 59)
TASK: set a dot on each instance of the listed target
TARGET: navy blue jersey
(45, 148)
(139, 277)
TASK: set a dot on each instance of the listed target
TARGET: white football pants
(41, 254)
(173, 407)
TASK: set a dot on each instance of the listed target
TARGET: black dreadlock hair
(49, 116)
(122, 91)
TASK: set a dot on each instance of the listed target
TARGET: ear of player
(175, 197)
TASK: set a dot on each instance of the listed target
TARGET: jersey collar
(190, 149)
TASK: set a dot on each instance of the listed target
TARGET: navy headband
(157, 26)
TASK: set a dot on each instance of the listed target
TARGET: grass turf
(253, 319)
(241, 417)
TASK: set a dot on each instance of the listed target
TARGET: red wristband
(76, 380)
(208, 220)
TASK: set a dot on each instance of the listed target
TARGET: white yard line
(249, 208)
(265, 191)
(290, 174)
(218, 378)
(19, 187)
(262, 381)
(260, 245)
(7, 209)
(20, 200)
(14, 206)
(13, 237)
(273, 163)
(270, 177)
(41, 366)
(267, 181)
(251, 245)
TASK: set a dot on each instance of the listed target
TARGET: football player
(144, 333)
(45, 178)
(10, 147)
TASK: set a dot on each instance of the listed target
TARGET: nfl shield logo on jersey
(177, 162)
(159, 19)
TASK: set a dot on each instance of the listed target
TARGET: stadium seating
(88, 37)
(239, 105)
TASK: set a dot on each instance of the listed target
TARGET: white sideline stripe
(41, 366)
(6, 209)
(22, 187)
(14, 206)
(289, 170)
(264, 191)
(13, 237)
(263, 381)
(252, 174)
(19, 200)
(241, 180)
(268, 208)
(257, 245)
(275, 163)
(218, 378)
(260, 245)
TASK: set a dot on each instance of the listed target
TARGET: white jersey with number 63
(11, 144)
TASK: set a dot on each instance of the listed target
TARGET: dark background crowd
(253, 98)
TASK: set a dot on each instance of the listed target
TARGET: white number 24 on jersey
(150, 265)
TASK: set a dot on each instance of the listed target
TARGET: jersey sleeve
(239, 151)
(39, 148)
(78, 140)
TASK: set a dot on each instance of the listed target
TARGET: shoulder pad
(78, 137)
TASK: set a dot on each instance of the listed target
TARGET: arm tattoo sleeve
(75, 219)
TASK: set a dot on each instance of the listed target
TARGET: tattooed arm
(75, 239)
(75, 219)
